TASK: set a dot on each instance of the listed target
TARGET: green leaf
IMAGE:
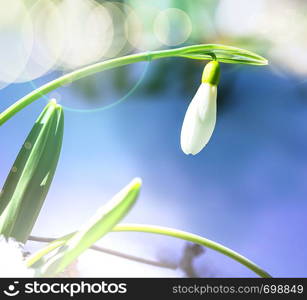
(100, 224)
(29, 180)
(222, 53)
(37, 258)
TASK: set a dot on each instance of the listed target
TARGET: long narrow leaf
(29, 180)
(222, 53)
(37, 258)
(100, 224)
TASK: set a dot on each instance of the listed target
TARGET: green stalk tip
(211, 73)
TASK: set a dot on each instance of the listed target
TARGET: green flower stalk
(221, 53)
(200, 118)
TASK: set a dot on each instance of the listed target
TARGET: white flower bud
(199, 120)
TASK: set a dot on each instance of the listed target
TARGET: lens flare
(48, 42)
(16, 40)
(139, 27)
(172, 26)
(118, 12)
(88, 32)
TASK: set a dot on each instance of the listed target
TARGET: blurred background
(247, 189)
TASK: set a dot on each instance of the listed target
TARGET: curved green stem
(190, 237)
(194, 239)
(222, 53)
(54, 244)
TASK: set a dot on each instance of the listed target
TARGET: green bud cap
(211, 73)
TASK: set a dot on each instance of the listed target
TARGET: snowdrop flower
(12, 263)
(199, 120)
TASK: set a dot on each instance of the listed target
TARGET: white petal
(209, 92)
(199, 120)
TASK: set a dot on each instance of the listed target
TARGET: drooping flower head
(199, 120)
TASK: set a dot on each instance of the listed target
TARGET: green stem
(66, 79)
(220, 52)
(194, 239)
(190, 237)
(53, 244)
